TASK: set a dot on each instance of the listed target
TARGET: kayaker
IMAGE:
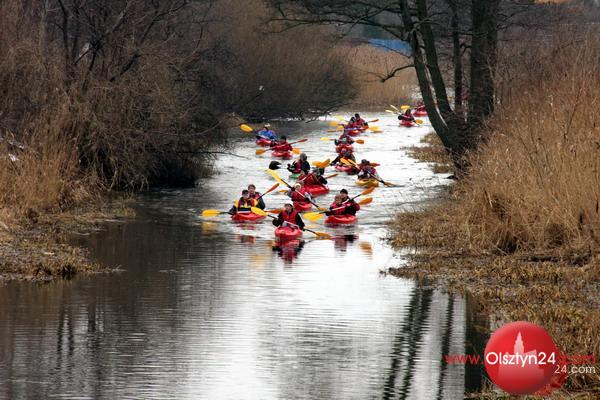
(351, 206)
(266, 133)
(344, 139)
(338, 207)
(298, 195)
(367, 171)
(347, 154)
(313, 178)
(350, 126)
(299, 165)
(243, 204)
(407, 116)
(420, 107)
(282, 145)
(289, 217)
(361, 123)
(253, 194)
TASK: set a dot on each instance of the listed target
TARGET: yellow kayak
(367, 182)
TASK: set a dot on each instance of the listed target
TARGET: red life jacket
(297, 167)
(283, 147)
(291, 217)
(341, 211)
(254, 196)
(299, 197)
(368, 170)
(311, 180)
(361, 122)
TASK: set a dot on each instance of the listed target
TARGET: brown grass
(522, 230)
(433, 152)
(368, 65)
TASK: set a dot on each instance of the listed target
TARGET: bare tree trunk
(456, 59)
(483, 59)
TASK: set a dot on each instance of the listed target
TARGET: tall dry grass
(368, 65)
(534, 186)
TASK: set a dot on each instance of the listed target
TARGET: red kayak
(407, 124)
(341, 147)
(350, 170)
(418, 113)
(263, 142)
(341, 219)
(354, 132)
(316, 190)
(288, 233)
(301, 207)
(246, 217)
(286, 155)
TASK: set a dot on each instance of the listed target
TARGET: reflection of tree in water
(288, 250)
(408, 342)
(446, 338)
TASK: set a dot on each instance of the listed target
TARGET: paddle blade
(316, 164)
(340, 128)
(276, 176)
(313, 216)
(276, 211)
(325, 163)
(359, 141)
(322, 235)
(339, 118)
(333, 123)
(367, 191)
(258, 211)
(391, 112)
(419, 121)
(374, 128)
(365, 201)
(210, 213)
(275, 186)
(246, 128)
(404, 107)
(258, 152)
(326, 139)
(373, 120)
(296, 151)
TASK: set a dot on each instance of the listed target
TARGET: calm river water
(209, 309)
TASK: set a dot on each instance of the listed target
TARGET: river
(209, 309)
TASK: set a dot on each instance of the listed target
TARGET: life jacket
(254, 196)
(291, 217)
(296, 167)
(242, 203)
(337, 209)
(312, 180)
(298, 197)
(361, 122)
(283, 147)
(367, 170)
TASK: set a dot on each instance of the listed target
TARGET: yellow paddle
(296, 151)
(246, 128)
(333, 123)
(212, 213)
(278, 179)
(394, 107)
(320, 235)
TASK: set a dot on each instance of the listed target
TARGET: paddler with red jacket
(338, 207)
(351, 206)
(313, 178)
(253, 194)
(299, 195)
(289, 217)
(361, 123)
(346, 154)
(407, 116)
(367, 171)
(282, 145)
(299, 165)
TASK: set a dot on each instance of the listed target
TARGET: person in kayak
(346, 154)
(420, 107)
(344, 139)
(299, 165)
(243, 204)
(361, 123)
(254, 195)
(298, 194)
(313, 178)
(407, 116)
(338, 207)
(367, 171)
(266, 133)
(289, 217)
(281, 145)
(351, 206)
(350, 126)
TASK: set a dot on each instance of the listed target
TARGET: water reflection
(209, 309)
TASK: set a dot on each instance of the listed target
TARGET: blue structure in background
(392, 45)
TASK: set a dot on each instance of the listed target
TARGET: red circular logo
(521, 358)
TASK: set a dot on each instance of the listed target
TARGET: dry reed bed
(522, 231)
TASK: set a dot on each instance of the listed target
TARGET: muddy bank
(36, 247)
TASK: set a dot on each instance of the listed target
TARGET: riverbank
(35, 247)
(552, 282)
